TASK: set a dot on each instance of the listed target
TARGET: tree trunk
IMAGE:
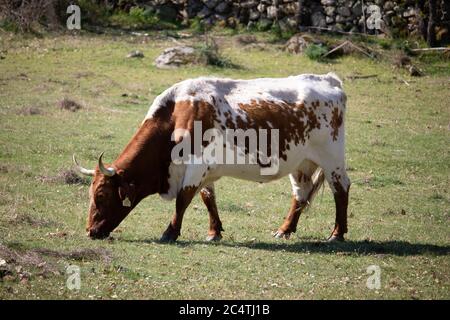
(431, 31)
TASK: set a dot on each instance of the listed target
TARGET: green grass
(398, 158)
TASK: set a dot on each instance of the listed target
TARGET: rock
(330, 11)
(410, 12)
(318, 20)
(261, 7)
(167, 12)
(357, 9)
(223, 7)
(329, 20)
(328, 2)
(338, 27)
(298, 43)
(232, 22)
(272, 12)
(254, 14)
(388, 5)
(135, 54)
(264, 24)
(291, 22)
(290, 9)
(249, 4)
(205, 12)
(344, 11)
(211, 4)
(340, 19)
(176, 56)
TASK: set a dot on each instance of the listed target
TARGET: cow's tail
(317, 180)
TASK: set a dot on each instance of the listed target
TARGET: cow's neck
(146, 158)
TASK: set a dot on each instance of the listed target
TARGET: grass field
(398, 154)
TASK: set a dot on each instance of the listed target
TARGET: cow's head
(111, 199)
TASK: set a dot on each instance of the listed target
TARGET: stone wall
(340, 15)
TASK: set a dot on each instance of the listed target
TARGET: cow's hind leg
(215, 225)
(337, 178)
(340, 184)
(303, 188)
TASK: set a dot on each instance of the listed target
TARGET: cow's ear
(127, 193)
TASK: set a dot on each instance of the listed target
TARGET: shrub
(316, 51)
(22, 15)
(209, 55)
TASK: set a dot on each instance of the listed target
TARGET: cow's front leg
(184, 198)
(215, 225)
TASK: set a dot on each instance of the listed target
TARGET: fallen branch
(362, 76)
(431, 49)
(348, 43)
(342, 32)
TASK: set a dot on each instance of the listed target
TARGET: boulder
(211, 4)
(318, 19)
(272, 12)
(254, 14)
(223, 7)
(205, 12)
(388, 5)
(176, 56)
(264, 24)
(135, 54)
(357, 9)
(330, 11)
(298, 43)
(344, 11)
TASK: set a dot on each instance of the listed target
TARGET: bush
(22, 15)
(209, 55)
(197, 26)
(316, 51)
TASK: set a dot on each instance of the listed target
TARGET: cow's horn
(82, 170)
(109, 172)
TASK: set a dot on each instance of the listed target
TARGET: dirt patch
(78, 254)
(69, 104)
(71, 177)
(245, 39)
(66, 177)
(3, 169)
(29, 111)
(84, 74)
(19, 264)
(25, 218)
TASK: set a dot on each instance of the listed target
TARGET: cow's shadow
(357, 247)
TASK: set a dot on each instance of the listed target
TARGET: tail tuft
(317, 179)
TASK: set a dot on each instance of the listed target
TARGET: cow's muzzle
(96, 235)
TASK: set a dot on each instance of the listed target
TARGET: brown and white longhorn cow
(308, 111)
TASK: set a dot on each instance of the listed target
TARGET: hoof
(215, 237)
(167, 238)
(281, 235)
(336, 238)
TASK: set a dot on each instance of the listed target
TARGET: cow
(307, 111)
